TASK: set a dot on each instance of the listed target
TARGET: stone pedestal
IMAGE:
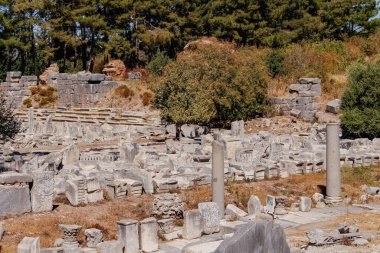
(333, 175)
(128, 233)
(42, 191)
(148, 235)
(192, 224)
(218, 176)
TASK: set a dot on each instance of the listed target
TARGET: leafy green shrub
(214, 83)
(361, 101)
(275, 62)
(159, 61)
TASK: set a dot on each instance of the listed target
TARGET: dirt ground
(104, 215)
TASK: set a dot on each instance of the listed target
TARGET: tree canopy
(79, 35)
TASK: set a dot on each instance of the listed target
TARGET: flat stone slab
(205, 247)
(14, 177)
(337, 211)
(14, 200)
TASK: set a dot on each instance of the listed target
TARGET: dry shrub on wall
(213, 83)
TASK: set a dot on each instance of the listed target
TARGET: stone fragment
(110, 247)
(188, 131)
(168, 206)
(256, 237)
(305, 204)
(148, 235)
(192, 224)
(12, 177)
(254, 205)
(58, 242)
(14, 200)
(320, 205)
(360, 242)
(210, 217)
(29, 245)
(42, 191)
(235, 211)
(237, 128)
(333, 106)
(271, 204)
(318, 237)
(128, 234)
(93, 237)
(166, 226)
(317, 197)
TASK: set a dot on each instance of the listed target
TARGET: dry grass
(130, 96)
(102, 215)
(293, 187)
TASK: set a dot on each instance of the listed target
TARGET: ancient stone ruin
(300, 101)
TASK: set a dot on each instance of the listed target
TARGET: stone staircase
(110, 116)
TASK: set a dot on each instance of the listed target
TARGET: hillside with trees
(82, 35)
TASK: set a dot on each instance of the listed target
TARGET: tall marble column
(218, 175)
(333, 175)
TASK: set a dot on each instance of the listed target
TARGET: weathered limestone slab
(42, 191)
(192, 225)
(210, 217)
(128, 234)
(254, 205)
(12, 177)
(14, 199)
(29, 245)
(148, 235)
(235, 211)
(305, 204)
(256, 238)
(110, 247)
(71, 155)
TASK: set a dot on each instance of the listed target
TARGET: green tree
(361, 101)
(214, 84)
(9, 124)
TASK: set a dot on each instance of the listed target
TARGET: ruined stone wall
(81, 90)
(300, 100)
(16, 87)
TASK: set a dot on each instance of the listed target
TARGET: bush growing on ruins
(146, 98)
(159, 61)
(361, 102)
(213, 84)
(9, 124)
(275, 62)
(27, 103)
(123, 91)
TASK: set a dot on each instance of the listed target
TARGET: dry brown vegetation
(293, 187)
(102, 215)
(131, 96)
(42, 96)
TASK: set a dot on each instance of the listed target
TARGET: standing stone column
(218, 175)
(333, 178)
(128, 233)
(30, 121)
(148, 235)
